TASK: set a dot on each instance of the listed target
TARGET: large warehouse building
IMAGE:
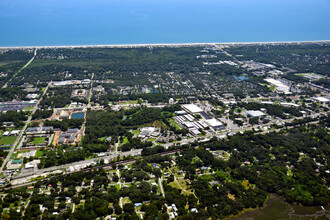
(215, 124)
(192, 108)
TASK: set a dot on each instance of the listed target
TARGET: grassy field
(39, 153)
(174, 124)
(28, 108)
(8, 140)
(137, 132)
(125, 140)
(38, 140)
(126, 200)
(130, 102)
(183, 184)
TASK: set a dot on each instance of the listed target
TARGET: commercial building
(321, 99)
(16, 105)
(146, 132)
(255, 113)
(192, 108)
(215, 124)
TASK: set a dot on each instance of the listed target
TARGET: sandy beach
(165, 45)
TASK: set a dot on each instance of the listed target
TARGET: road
(231, 131)
(28, 63)
(49, 169)
(133, 152)
(161, 186)
(17, 141)
(90, 92)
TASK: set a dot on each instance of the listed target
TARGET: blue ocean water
(87, 22)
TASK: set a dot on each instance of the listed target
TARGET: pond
(241, 77)
(79, 115)
(277, 209)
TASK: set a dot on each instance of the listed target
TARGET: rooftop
(192, 108)
(255, 113)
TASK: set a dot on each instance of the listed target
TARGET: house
(6, 133)
(213, 183)
(193, 210)
(138, 204)
(154, 165)
(204, 168)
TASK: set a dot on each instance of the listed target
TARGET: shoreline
(163, 44)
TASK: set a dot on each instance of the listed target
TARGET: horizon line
(159, 44)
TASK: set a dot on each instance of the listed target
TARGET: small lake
(278, 209)
(78, 115)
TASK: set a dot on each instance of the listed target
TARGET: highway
(115, 154)
(78, 163)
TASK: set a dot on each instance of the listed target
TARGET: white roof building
(192, 108)
(213, 122)
(147, 131)
(321, 99)
(289, 104)
(32, 96)
(14, 132)
(281, 87)
(255, 113)
(189, 124)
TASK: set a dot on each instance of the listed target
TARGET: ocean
(100, 22)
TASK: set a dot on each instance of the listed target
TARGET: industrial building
(215, 124)
(321, 99)
(192, 108)
(253, 113)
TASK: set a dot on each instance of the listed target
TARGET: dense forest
(13, 116)
(57, 97)
(292, 164)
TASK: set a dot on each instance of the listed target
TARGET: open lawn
(246, 184)
(125, 140)
(174, 124)
(183, 186)
(8, 140)
(39, 153)
(137, 132)
(117, 186)
(38, 140)
(28, 108)
(126, 200)
(130, 102)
